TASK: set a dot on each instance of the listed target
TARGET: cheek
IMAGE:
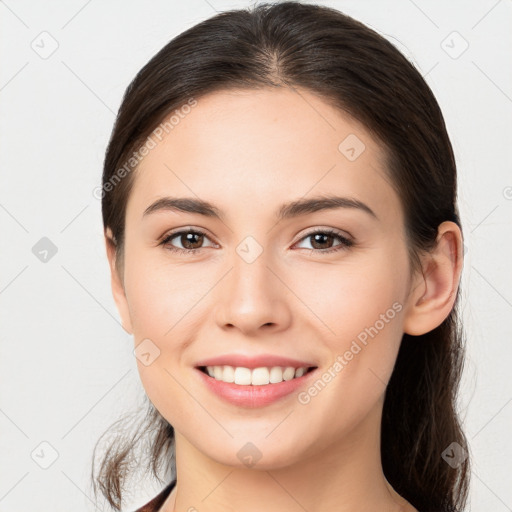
(345, 299)
(358, 307)
(161, 296)
(163, 304)
(363, 311)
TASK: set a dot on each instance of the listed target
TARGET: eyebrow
(287, 210)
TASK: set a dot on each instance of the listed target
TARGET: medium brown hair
(319, 49)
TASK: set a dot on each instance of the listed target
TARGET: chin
(256, 454)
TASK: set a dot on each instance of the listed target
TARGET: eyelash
(345, 242)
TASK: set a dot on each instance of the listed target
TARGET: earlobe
(118, 291)
(433, 294)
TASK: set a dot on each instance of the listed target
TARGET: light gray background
(67, 368)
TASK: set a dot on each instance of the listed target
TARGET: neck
(346, 477)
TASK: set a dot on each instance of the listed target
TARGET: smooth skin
(249, 152)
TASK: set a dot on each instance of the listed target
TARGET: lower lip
(253, 396)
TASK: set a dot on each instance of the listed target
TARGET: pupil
(189, 239)
(318, 239)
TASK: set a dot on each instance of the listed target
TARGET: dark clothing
(155, 504)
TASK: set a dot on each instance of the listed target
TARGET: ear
(117, 283)
(433, 293)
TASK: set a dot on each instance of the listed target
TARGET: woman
(279, 205)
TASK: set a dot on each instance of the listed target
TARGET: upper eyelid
(332, 231)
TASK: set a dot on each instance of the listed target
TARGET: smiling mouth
(257, 376)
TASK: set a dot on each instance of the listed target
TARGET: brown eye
(322, 241)
(190, 241)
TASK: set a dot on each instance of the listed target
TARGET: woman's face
(260, 283)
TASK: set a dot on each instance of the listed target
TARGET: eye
(322, 241)
(191, 241)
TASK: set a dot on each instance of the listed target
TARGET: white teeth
(217, 372)
(228, 374)
(276, 375)
(242, 376)
(256, 377)
(289, 373)
(260, 376)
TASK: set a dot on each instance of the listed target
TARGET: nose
(253, 297)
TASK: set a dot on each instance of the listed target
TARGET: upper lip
(263, 360)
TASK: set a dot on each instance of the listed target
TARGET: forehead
(247, 147)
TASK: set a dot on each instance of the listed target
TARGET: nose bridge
(253, 296)
(251, 278)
